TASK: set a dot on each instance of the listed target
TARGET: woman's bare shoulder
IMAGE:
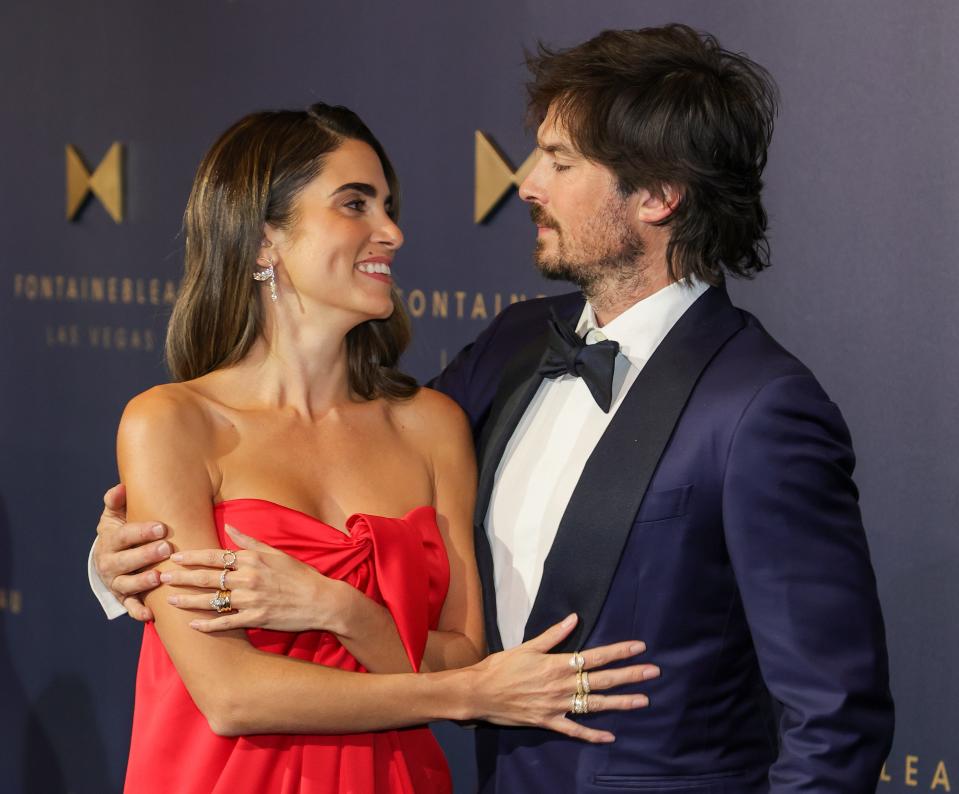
(431, 413)
(172, 411)
(438, 427)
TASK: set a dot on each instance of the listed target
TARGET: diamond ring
(221, 601)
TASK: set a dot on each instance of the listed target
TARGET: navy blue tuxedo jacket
(717, 521)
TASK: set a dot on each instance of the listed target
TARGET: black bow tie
(567, 354)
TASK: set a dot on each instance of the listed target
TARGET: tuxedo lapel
(595, 527)
(520, 381)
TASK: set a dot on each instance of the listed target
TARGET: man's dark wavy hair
(669, 107)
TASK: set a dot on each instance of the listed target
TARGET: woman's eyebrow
(359, 187)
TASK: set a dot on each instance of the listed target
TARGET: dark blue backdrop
(863, 188)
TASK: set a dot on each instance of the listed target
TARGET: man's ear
(656, 205)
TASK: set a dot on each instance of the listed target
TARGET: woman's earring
(268, 273)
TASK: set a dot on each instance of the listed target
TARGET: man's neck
(614, 296)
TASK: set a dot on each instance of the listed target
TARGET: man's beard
(607, 256)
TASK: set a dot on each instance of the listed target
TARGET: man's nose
(531, 188)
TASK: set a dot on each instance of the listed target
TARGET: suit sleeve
(467, 378)
(798, 549)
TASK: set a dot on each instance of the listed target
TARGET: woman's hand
(528, 686)
(268, 589)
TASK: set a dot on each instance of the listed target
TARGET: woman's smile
(377, 267)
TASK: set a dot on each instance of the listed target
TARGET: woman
(290, 420)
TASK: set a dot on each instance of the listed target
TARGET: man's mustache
(540, 218)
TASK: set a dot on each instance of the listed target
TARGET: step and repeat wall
(107, 108)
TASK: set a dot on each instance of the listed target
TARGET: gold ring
(582, 683)
(229, 559)
(221, 601)
(576, 661)
(580, 704)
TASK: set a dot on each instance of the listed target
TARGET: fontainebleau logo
(105, 182)
(11, 601)
(495, 176)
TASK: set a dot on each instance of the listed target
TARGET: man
(679, 477)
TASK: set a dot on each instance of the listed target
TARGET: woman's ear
(267, 253)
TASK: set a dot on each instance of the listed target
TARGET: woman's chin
(378, 310)
(387, 312)
(385, 305)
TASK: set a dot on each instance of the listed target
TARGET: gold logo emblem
(494, 176)
(106, 182)
(11, 601)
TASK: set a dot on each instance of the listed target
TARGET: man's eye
(560, 168)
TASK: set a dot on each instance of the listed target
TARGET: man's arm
(798, 548)
(118, 556)
(466, 382)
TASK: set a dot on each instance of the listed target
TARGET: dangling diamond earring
(268, 274)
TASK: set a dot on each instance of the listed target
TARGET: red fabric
(400, 563)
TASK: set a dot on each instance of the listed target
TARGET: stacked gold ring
(582, 683)
(580, 704)
(221, 601)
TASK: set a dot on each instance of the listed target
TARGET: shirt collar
(641, 328)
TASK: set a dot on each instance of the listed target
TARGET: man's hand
(123, 550)
(530, 686)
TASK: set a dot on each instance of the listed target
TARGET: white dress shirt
(111, 606)
(548, 450)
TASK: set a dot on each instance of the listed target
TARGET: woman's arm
(459, 642)
(162, 448)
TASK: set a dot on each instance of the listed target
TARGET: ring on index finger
(229, 560)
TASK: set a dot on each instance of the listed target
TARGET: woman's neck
(299, 366)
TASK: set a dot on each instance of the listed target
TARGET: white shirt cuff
(111, 606)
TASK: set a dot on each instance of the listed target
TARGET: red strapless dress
(400, 563)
